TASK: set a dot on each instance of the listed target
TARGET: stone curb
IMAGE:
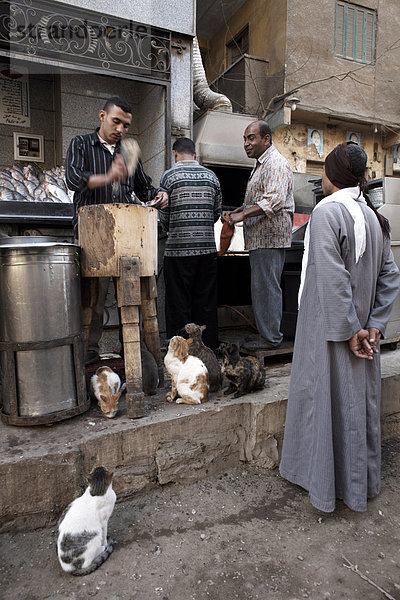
(43, 468)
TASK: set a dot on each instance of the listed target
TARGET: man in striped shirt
(93, 165)
(190, 257)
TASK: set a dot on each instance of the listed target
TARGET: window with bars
(355, 32)
(237, 47)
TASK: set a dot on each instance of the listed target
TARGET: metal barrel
(41, 337)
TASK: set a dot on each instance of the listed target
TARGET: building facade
(335, 62)
(59, 62)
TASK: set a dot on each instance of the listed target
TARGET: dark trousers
(266, 292)
(191, 295)
(94, 294)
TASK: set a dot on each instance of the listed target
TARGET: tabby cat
(245, 374)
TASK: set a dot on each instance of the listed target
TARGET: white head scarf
(350, 199)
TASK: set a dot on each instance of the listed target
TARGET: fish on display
(32, 172)
(29, 183)
(6, 183)
(6, 194)
(19, 197)
(6, 175)
(30, 186)
(17, 174)
(58, 192)
(20, 188)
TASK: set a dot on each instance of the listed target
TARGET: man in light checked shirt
(267, 215)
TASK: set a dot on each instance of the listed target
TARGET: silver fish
(50, 177)
(32, 178)
(19, 197)
(59, 181)
(42, 196)
(16, 174)
(31, 186)
(7, 184)
(59, 193)
(130, 152)
(6, 194)
(31, 171)
(51, 198)
(20, 187)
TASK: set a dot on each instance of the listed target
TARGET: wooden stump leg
(128, 296)
(150, 323)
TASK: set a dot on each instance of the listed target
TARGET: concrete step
(43, 468)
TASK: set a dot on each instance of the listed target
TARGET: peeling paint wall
(292, 142)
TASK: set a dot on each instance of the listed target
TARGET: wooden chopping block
(109, 231)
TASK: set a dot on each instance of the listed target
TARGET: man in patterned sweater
(267, 213)
(190, 257)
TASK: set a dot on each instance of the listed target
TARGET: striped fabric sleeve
(75, 174)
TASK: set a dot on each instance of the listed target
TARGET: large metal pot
(41, 339)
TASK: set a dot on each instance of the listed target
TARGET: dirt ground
(245, 534)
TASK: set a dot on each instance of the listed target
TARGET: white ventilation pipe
(203, 96)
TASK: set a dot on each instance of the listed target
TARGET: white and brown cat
(106, 387)
(82, 543)
(189, 375)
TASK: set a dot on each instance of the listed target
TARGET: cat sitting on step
(150, 378)
(82, 543)
(204, 353)
(189, 375)
(245, 374)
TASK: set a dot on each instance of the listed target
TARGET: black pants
(191, 295)
(94, 293)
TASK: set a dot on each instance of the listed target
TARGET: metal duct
(203, 97)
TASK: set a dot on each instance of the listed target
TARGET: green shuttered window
(355, 32)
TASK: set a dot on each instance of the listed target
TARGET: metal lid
(26, 241)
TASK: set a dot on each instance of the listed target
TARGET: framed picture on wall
(28, 147)
(353, 136)
(316, 137)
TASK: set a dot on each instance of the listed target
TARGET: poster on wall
(316, 137)
(14, 97)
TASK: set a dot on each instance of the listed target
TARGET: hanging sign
(14, 97)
